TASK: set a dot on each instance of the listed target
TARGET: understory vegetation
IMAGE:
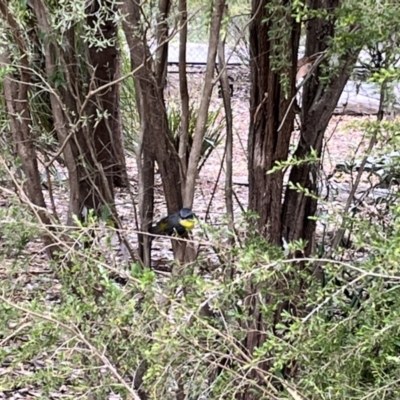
(91, 326)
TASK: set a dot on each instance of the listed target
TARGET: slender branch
(204, 104)
(183, 89)
(226, 96)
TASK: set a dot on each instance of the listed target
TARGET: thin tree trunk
(61, 120)
(153, 107)
(199, 132)
(145, 162)
(184, 93)
(120, 174)
(156, 143)
(226, 96)
(145, 152)
(162, 41)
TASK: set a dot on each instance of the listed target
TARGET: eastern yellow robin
(178, 223)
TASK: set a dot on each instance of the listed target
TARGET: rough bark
(103, 131)
(268, 107)
(106, 64)
(271, 126)
(270, 130)
(318, 103)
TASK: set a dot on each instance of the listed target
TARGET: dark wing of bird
(160, 228)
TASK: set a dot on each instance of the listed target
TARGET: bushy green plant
(17, 228)
(98, 322)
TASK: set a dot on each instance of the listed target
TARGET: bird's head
(186, 218)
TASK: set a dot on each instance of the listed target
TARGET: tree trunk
(156, 143)
(88, 149)
(199, 131)
(64, 106)
(226, 96)
(269, 105)
(152, 108)
(101, 110)
(161, 60)
(318, 103)
(271, 126)
(183, 90)
(120, 174)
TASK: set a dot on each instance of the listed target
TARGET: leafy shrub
(186, 333)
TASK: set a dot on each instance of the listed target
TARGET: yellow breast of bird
(187, 223)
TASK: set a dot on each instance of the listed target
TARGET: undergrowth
(90, 324)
